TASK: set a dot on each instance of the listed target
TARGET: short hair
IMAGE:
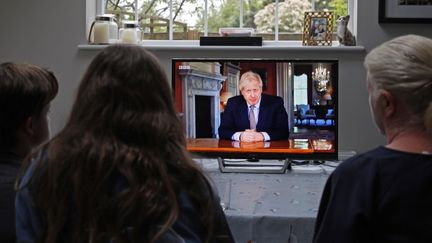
(403, 66)
(25, 89)
(248, 77)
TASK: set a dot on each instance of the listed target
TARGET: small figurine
(345, 37)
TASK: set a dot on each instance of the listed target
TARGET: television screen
(206, 93)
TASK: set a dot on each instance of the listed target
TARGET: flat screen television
(309, 89)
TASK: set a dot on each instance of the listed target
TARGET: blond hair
(249, 77)
(403, 66)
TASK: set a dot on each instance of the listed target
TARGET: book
(236, 32)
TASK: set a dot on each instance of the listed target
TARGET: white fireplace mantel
(197, 82)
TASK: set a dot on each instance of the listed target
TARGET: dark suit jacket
(272, 117)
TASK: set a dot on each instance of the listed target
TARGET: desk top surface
(290, 146)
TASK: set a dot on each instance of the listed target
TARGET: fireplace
(203, 117)
(201, 102)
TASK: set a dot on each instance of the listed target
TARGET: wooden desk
(281, 147)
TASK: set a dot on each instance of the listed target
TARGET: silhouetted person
(253, 116)
(385, 195)
(25, 94)
(119, 170)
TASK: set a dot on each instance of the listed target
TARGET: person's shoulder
(272, 98)
(9, 162)
(376, 157)
(236, 99)
(361, 164)
(34, 164)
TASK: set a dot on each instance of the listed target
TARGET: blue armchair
(330, 116)
(304, 112)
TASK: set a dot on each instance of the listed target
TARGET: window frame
(302, 89)
(96, 7)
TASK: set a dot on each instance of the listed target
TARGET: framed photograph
(405, 11)
(318, 28)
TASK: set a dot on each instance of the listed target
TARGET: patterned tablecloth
(269, 208)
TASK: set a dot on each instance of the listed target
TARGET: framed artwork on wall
(318, 28)
(405, 11)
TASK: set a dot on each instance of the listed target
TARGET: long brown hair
(120, 162)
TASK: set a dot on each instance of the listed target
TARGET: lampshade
(327, 96)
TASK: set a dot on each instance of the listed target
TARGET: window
(190, 19)
(300, 90)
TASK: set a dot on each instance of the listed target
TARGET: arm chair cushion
(302, 109)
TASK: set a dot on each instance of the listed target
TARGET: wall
(47, 33)
(268, 74)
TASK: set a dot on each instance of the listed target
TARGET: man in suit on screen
(253, 116)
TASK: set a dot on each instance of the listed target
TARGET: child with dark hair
(119, 170)
(25, 94)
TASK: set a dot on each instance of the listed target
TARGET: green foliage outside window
(291, 14)
(257, 14)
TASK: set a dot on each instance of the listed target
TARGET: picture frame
(405, 11)
(318, 28)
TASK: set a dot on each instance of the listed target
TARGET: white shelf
(267, 45)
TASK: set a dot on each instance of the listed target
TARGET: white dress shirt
(236, 136)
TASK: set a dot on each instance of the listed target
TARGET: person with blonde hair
(385, 195)
(254, 116)
(119, 171)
